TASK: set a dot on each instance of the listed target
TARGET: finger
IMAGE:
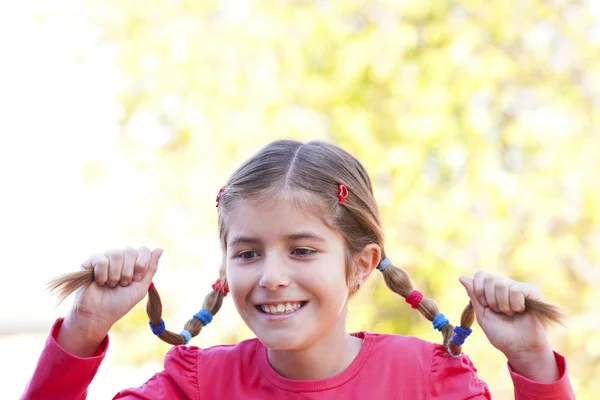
(479, 289)
(469, 285)
(502, 296)
(152, 267)
(115, 266)
(99, 263)
(87, 265)
(141, 263)
(129, 257)
(489, 289)
(517, 298)
(523, 291)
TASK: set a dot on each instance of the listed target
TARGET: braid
(398, 281)
(453, 337)
(66, 284)
(212, 304)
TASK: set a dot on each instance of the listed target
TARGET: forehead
(276, 218)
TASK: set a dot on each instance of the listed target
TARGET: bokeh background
(479, 122)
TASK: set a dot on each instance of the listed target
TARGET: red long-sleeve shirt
(387, 367)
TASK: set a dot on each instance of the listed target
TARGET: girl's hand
(121, 280)
(499, 305)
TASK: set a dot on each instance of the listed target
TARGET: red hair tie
(221, 287)
(151, 286)
(219, 195)
(414, 298)
(343, 193)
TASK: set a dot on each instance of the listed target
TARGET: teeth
(283, 308)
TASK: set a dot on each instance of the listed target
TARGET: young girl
(300, 233)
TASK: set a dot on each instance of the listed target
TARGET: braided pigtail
(399, 282)
(66, 284)
(453, 337)
(193, 327)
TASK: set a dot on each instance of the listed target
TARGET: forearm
(59, 374)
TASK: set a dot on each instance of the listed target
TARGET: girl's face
(286, 271)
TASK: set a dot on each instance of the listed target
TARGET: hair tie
(343, 193)
(221, 287)
(151, 286)
(157, 329)
(219, 195)
(383, 264)
(439, 322)
(186, 335)
(460, 334)
(452, 354)
(204, 316)
(414, 298)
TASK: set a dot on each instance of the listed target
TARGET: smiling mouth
(281, 308)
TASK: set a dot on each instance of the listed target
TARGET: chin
(275, 341)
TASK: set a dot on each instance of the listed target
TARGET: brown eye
(302, 252)
(248, 255)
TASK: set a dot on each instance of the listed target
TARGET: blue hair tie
(460, 334)
(440, 321)
(383, 264)
(204, 316)
(187, 335)
(157, 329)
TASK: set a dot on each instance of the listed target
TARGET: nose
(275, 274)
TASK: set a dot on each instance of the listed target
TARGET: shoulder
(196, 364)
(442, 375)
(192, 356)
(398, 345)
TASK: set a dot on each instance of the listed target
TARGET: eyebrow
(292, 237)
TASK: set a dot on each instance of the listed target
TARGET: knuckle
(99, 259)
(504, 284)
(505, 308)
(116, 255)
(130, 252)
(126, 277)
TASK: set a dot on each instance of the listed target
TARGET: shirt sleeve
(526, 389)
(455, 378)
(178, 381)
(60, 375)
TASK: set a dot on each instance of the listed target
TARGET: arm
(519, 332)
(61, 375)
(541, 377)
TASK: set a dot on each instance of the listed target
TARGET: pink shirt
(387, 367)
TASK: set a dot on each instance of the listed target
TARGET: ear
(366, 261)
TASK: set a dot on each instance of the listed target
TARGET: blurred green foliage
(478, 121)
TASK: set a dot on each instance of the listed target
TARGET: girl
(300, 233)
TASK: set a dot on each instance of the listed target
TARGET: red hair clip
(343, 193)
(219, 195)
(221, 286)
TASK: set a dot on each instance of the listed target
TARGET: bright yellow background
(479, 122)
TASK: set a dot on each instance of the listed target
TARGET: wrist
(80, 336)
(539, 365)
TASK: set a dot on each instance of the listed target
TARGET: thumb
(153, 267)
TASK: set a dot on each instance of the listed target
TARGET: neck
(327, 357)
